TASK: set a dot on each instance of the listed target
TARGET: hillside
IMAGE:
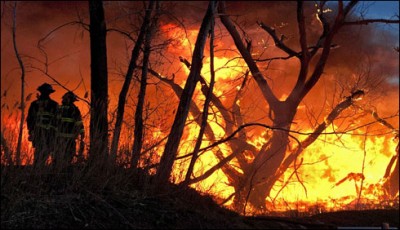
(121, 200)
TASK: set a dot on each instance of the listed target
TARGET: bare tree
(128, 78)
(22, 105)
(171, 147)
(138, 132)
(206, 106)
(392, 175)
(99, 84)
(267, 164)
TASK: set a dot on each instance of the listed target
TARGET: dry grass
(88, 197)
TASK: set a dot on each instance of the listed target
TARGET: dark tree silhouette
(138, 132)
(22, 107)
(128, 78)
(99, 84)
(171, 147)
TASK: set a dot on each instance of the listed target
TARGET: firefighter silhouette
(39, 121)
(69, 127)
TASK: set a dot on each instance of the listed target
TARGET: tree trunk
(127, 82)
(22, 107)
(229, 171)
(270, 165)
(270, 157)
(171, 147)
(99, 84)
(138, 131)
(391, 184)
(204, 115)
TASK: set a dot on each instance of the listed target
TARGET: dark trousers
(43, 143)
(64, 152)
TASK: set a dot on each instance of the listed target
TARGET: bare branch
(21, 65)
(258, 76)
(42, 40)
(127, 82)
(368, 21)
(128, 35)
(278, 41)
(380, 120)
(303, 36)
(313, 50)
(45, 72)
(138, 130)
(206, 105)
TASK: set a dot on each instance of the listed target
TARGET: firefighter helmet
(71, 96)
(46, 88)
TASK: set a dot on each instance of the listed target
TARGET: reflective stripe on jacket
(69, 122)
(41, 114)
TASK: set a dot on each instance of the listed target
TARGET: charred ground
(122, 199)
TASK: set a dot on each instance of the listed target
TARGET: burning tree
(271, 161)
(255, 178)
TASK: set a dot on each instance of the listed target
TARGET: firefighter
(39, 121)
(69, 127)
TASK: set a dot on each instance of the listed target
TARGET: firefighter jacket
(41, 114)
(69, 122)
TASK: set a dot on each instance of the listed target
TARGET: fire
(10, 130)
(337, 173)
(217, 183)
(179, 38)
(332, 172)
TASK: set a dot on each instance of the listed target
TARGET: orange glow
(326, 173)
(181, 39)
(10, 130)
(335, 172)
(327, 169)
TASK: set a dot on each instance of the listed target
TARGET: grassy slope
(86, 198)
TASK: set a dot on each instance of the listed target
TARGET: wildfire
(333, 173)
(10, 130)
(341, 171)
(330, 173)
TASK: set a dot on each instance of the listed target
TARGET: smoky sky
(68, 53)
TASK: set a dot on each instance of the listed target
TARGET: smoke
(68, 48)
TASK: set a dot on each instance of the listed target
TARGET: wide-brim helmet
(46, 88)
(70, 95)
